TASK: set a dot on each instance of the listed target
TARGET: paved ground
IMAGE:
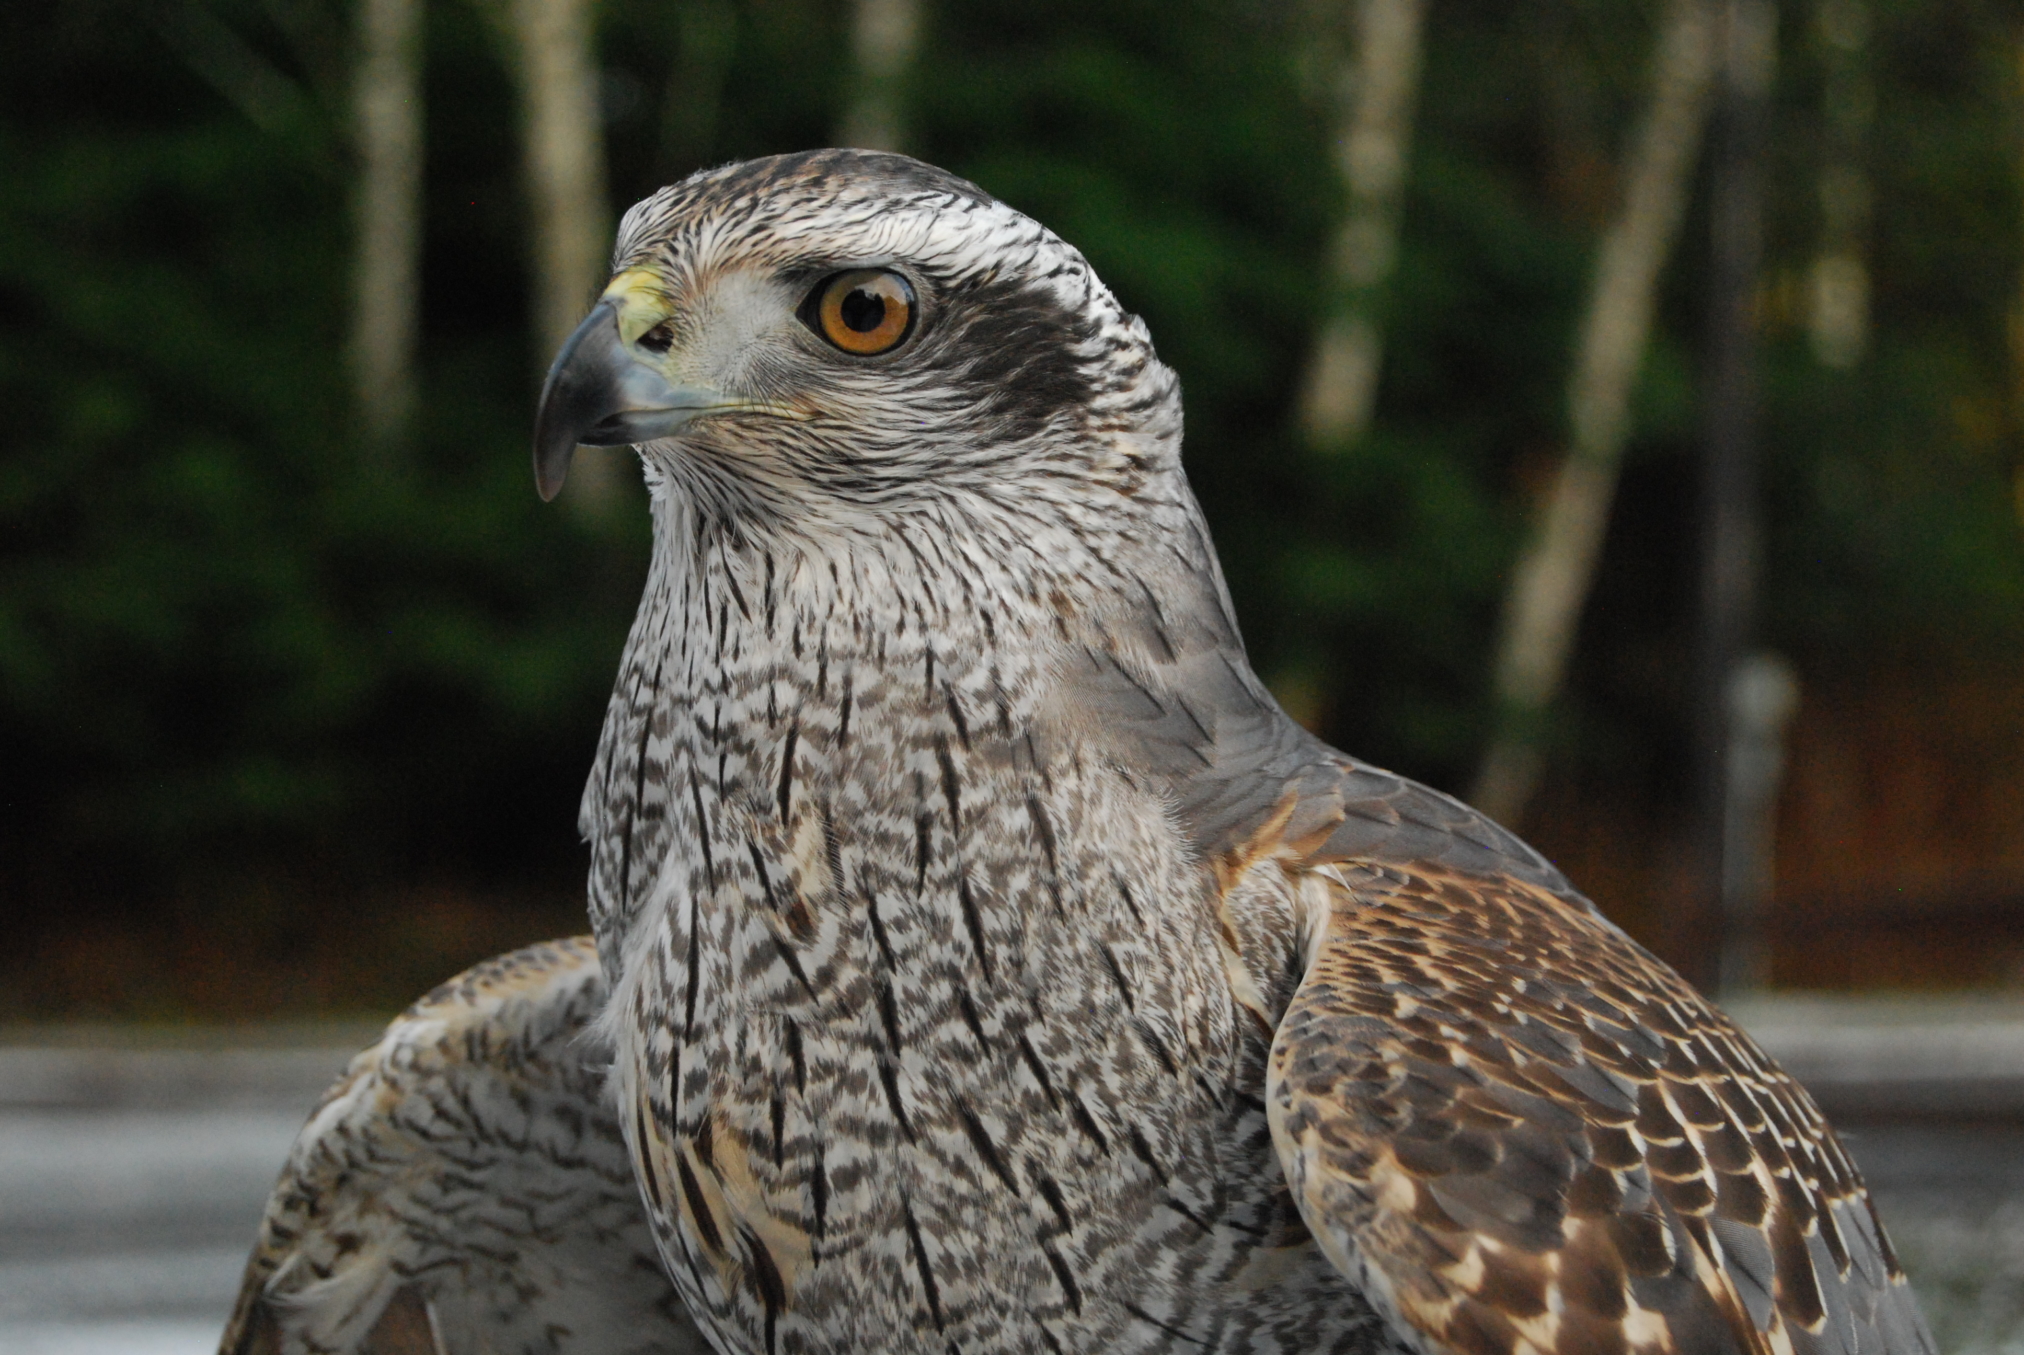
(125, 1230)
(131, 1176)
(1953, 1199)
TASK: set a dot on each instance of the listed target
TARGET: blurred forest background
(299, 683)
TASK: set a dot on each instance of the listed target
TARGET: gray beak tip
(548, 483)
(574, 396)
(554, 449)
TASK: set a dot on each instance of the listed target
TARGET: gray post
(1729, 526)
(1763, 694)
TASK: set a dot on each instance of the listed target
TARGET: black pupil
(864, 311)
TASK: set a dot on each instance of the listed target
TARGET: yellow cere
(642, 302)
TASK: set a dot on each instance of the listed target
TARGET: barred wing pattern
(1520, 1132)
(464, 1188)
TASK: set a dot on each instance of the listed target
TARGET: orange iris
(866, 312)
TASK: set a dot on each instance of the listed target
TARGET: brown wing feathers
(1523, 1133)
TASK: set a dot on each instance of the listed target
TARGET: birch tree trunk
(386, 315)
(884, 34)
(1556, 568)
(1376, 89)
(564, 165)
(1837, 318)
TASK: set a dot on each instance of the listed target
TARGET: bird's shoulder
(1165, 690)
(1511, 1125)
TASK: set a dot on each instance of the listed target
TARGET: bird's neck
(921, 601)
(768, 673)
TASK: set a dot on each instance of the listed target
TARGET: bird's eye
(866, 311)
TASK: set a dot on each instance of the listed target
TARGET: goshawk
(995, 967)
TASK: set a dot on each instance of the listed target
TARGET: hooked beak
(600, 393)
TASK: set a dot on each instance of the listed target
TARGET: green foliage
(224, 629)
(228, 635)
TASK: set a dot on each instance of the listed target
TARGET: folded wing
(464, 1187)
(1520, 1132)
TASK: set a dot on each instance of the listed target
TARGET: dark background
(288, 728)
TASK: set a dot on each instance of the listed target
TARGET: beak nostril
(659, 339)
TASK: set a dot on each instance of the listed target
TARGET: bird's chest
(912, 1022)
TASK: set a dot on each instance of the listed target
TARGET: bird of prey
(996, 968)
(463, 1188)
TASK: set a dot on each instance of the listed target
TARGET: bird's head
(845, 335)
